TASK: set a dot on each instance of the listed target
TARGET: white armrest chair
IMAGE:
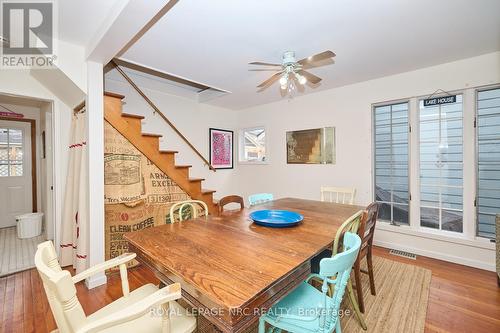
(146, 309)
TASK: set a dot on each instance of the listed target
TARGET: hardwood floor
(462, 299)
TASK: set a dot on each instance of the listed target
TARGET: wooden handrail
(150, 102)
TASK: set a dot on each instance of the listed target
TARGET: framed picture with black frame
(221, 148)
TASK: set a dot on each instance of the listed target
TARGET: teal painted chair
(306, 309)
(256, 199)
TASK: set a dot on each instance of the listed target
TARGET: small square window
(11, 152)
(252, 145)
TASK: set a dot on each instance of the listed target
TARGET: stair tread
(168, 151)
(196, 179)
(112, 94)
(183, 166)
(206, 191)
(152, 135)
(130, 115)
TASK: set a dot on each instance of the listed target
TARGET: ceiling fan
(291, 70)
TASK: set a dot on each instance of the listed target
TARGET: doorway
(17, 169)
(26, 197)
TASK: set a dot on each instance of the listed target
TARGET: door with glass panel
(441, 166)
(15, 171)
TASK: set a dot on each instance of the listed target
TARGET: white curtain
(74, 226)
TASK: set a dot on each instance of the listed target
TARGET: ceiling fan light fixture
(302, 79)
(284, 81)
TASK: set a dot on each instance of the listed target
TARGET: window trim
(241, 145)
(477, 90)
(374, 176)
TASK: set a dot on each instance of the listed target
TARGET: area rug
(399, 306)
(401, 301)
(16, 254)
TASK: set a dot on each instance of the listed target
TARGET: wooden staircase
(130, 127)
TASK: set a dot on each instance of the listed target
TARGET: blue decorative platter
(276, 218)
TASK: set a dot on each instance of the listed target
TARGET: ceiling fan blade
(310, 77)
(272, 79)
(317, 57)
(265, 70)
(263, 63)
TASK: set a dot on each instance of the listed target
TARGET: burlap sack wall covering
(137, 194)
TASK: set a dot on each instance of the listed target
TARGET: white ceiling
(79, 20)
(211, 42)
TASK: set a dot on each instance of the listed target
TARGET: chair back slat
(256, 199)
(341, 195)
(369, 221)
(335, 272)
(194, 209)
(60, 289)
(350, 225)
(231, 199)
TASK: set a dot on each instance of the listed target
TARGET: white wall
(193, 119)
(348, 109)
(21, 83)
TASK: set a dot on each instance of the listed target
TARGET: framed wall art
(311, 146)
(221, 148)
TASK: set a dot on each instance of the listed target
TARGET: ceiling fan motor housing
(288, 58)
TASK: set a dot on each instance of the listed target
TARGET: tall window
(488, 139)
(391, 162)
(441, 166)
(11, 152)
(252, 146)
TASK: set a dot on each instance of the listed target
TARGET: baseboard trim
(96, 280)
(437, 255)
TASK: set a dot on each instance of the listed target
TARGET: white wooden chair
(146, 309)
(193, 206)
(342, 195)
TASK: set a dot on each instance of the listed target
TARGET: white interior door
(15, 171)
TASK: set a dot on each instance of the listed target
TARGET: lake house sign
(440, 100)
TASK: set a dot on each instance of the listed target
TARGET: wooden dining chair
(341, 195)
(323, 309)
(350, 225)
(256, 199)
(365, 232)
(178, 209)
(230, 199)
(133, 312)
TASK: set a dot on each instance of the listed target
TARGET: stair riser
(184, 172)
(135, 124)
(153, 141)
(196, 187)
(169, 158)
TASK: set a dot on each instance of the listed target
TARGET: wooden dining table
(232, 270)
